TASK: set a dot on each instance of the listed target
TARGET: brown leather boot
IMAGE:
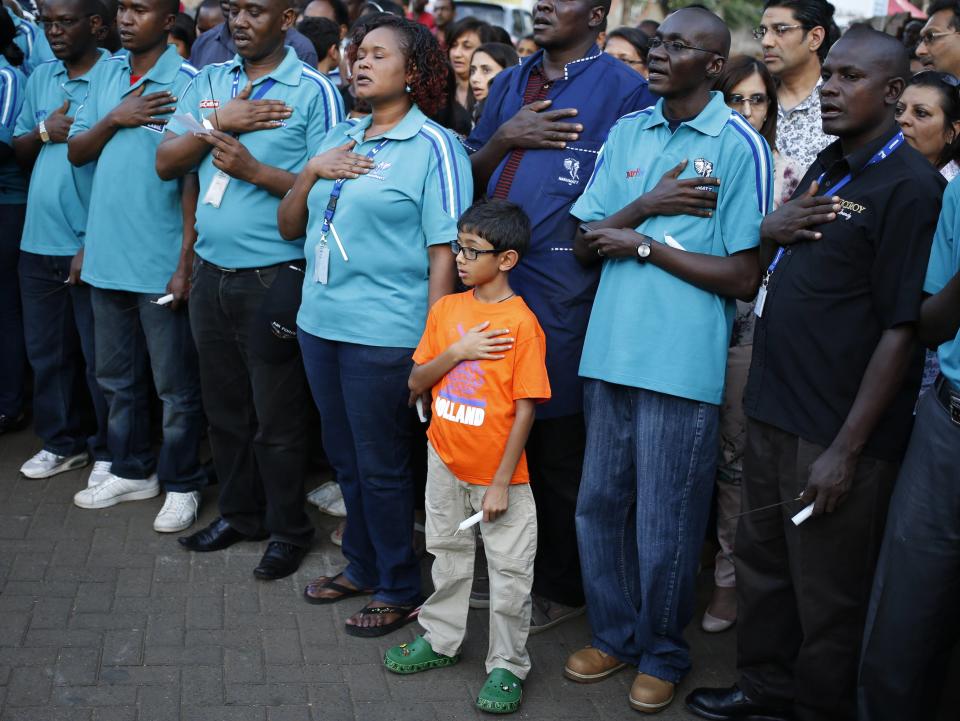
(650, 694)
(590, 664)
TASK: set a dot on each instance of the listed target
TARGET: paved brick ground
(101, 619)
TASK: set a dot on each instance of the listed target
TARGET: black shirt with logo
(829, 301)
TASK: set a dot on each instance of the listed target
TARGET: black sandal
(331, 585)
(407, 614)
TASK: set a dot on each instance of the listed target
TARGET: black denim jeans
(256, 408)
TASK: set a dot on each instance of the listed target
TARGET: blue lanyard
(256, 95)
(880, 155)
(335, 194)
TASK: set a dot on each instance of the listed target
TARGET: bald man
(833, 383)
(673, 214)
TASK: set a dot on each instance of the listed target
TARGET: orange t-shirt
(474, 404)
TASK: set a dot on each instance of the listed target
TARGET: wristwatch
(44, 135)
(643, 250)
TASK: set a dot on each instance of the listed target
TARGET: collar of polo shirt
(163, 72)
(709, 121)
(571, 69)
(287, 72)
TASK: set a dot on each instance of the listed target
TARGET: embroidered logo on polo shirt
(635, 173)
(155, 127)
(572, 166)
(848, 208)
(378, 172)
(40, 114)
(208, 104)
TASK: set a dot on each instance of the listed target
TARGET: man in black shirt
(834, 378)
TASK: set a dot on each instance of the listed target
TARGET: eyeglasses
(469, 253)
(675, 47)
(63, 23)
(779, 29)
(741, 100)
(929, 38)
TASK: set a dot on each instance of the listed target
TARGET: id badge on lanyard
(220, 180)
(321, 255)
(879, 156)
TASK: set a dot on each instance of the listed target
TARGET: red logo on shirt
(209, 104)
(636, 172)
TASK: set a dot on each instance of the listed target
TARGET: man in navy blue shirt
(536, 144)
(216, 44)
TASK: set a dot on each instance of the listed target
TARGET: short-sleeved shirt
(829, 301)
(650, 329)
(135, 221)
(800, 130)
(59, 192)
(556, 287)
(216, 46)
(474, 405)
(943, 266)
(242, 232)
(32, 41)
(13, 182)
(385, 220)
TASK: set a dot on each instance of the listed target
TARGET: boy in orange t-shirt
(482, 354)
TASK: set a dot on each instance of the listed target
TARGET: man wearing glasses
(940, 37)
(795, 36)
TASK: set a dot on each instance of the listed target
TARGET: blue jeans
(361, 393)
(58, 329)
(642, 514)
(13, 359)
(133, 338)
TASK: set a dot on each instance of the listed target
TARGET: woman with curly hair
(379, 203)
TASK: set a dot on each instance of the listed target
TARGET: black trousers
(803, 590)
(913, 622)
(257, 409)
(555, 459)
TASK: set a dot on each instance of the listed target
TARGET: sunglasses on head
(945, 78)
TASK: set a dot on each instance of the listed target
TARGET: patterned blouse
(799, 133)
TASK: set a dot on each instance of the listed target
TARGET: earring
(407, 89)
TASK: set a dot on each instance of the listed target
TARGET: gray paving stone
(77, 666)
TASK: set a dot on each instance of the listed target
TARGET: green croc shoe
(501, 693)
(415, 656)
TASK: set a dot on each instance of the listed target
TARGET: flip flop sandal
(327, 583)
(501, 693)
(407, 614)
(415, 656)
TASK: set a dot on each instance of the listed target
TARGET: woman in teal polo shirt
(379, 204)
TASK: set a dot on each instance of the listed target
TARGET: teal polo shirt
(943, 265)
(32, 41)
(385, 220)
(649, 329)
(242, 232)
(135, 222)
(13, 182)
(59, 192)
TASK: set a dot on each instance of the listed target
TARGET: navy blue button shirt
(216, 46)
(554, 285)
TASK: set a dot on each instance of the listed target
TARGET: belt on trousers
(949, 398)
(298, 262)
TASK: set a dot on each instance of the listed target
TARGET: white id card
(761, 299)
(321, 263)
(218, 186)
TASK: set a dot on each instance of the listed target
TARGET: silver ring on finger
(600, 252)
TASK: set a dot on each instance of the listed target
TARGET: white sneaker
(100, 473)
(179, 512)
(116, 490)
(46, 464)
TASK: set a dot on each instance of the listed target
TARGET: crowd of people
(575, 302)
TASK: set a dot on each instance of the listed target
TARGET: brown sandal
(329, 583)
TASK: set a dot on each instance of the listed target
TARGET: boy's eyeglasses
(778, 29)
(469, 253)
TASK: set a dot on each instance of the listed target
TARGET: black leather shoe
(731, 704)
(215, 537)
(280, 560)
(11, 424)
